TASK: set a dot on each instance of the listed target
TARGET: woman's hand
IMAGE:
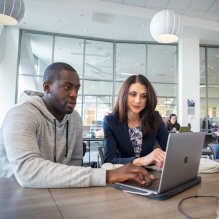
(156, 156)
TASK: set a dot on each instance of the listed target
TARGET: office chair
(101, 154)
(214, 149)
(84, 148)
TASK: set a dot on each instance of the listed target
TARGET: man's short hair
(52, 71)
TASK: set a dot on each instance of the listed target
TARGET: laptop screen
(184, 129)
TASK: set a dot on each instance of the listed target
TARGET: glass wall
(103, 66)
(209, 87)
(35, 55)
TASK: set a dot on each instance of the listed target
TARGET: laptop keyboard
(151, 184)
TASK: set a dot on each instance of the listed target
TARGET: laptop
(179, 172)
(184, 129)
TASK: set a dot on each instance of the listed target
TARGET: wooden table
(102, 202)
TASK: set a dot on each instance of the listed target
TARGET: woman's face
(137, 98)
(173, 120)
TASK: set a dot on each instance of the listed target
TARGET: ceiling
(120, 19)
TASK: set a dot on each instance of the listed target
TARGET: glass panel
(29, 83)
(209, 100)
(213, 85)
(130, 59)
(98, 60)
(35, 56)
(97, 100)
(203, 83)
(162, 65)
(70, 51)
(213, 105)
(166, 106)
(202, 66)
(213, 66)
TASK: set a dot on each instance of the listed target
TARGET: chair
(214, 149)
(101, 154)
(84, 148)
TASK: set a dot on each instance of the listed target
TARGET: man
(41, 138)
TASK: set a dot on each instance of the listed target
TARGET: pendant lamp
(11, 11)
(166, 26)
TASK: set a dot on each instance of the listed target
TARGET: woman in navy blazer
(131, 129)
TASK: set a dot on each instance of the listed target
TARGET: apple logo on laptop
(186, 160)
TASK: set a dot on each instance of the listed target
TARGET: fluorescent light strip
(124, 73)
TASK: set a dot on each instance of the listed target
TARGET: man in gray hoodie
(41, 138)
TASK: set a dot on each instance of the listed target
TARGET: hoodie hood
(35, 98)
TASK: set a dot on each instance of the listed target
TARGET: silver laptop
(181, 165)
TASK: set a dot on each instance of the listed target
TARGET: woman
(172, 125)
(131, 129)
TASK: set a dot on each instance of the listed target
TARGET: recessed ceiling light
(80, 15)
(85, 30)
(144, 25)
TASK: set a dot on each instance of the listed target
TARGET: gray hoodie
(42, 152)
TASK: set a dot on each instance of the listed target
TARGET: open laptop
(184, 129)
(179, 172)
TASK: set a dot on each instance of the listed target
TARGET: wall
(8, 70)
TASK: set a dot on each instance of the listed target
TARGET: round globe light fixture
(11, 11)
(166, 26)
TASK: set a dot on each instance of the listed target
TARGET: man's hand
(128, 171)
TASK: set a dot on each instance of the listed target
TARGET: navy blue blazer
(118, 148)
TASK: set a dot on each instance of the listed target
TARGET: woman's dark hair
(149, 117)
(52, 71)
(170, 125)
(171, 115)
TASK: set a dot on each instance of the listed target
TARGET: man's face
(64, 93)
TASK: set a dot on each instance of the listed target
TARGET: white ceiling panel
(179, 4)
(116, 1)
(201, 4)
(215, 6)
(157, 4)
(138, 3)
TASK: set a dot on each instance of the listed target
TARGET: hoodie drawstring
(55, 143)
(66, 152)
